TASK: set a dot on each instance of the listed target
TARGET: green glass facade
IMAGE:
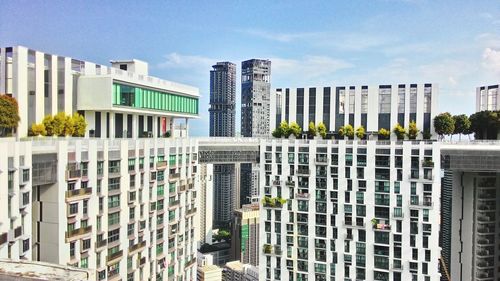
(131, 96)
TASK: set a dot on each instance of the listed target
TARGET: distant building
(223, 100)
(255, 97)
(237, 271)
(245, 234)
(220, 252)
(222, 124)
(209, 273)
(487, 98)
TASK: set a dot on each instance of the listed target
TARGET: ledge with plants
(273, 202)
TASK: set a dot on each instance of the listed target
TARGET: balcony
(112, 258)
(428, 164)
(100, 244)
(73, 175)
(304, 196)
(303, 172)
(382, 226)
(276, 202)
(277, 182)
(174, 176)
(77, 194)
(416, 203)
(161, 165)
(137, 247)
(191, 262)
(290, 183)
(173, 204)
(190, 212)
(78, 233)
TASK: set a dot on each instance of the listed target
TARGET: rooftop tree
(312, 132)
(322, 129)
(9, 115)
(462, 125)
(444, 124)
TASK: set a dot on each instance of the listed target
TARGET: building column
(111, 125)
(155, 126)
(135, 126)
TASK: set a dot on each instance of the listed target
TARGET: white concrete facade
(487, 98)
(126, 209)
(337, 106)
(45, 84)
(362, 210)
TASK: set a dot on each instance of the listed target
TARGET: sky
(455, 43)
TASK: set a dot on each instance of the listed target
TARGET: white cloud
(176, 60)
(491, 59)
(280, 37)
(309, 69)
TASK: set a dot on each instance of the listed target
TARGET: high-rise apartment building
(487, 98)
(373, 107)
(255, 97)
(222, 124)
(245, 234)
(124, 208)
(255, 118)
(364, 210)
(206, 203)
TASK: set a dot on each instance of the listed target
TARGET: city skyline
(332, 44)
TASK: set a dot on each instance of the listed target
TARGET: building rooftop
(34, 271)
(209, 268)
(235, 265)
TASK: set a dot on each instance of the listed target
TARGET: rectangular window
(384, 98)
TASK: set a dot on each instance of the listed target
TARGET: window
(85, 206)
(73, 208)
(427, 99)
(413, 99)
(113, 184)
(113, 218)
(131, 164)
(114, 166)
(351, 101)
(113, 201)
(100, 168)
(26, 175)
(113, 235)
(401, 100)
(364, 101)
(341, 101)
(384, 98)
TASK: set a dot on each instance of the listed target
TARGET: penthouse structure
(373, 107)
(120, 101)
(487, 98)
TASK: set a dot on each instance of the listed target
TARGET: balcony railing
(114, 256)
(136, 247)
(173, 204)
(174, 176)
(78, 232)
(302, 195)
(100, 244)
(73, 174)
(72, 194)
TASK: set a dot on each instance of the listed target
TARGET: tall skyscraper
(245, 234)
(255, 116)
(255, 97)
(222, 124)
(223, 100)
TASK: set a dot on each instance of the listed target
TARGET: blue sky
(310, 43)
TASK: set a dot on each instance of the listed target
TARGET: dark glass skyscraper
(223, 100)
(222, 124)
(255, 97)
(255, 116)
